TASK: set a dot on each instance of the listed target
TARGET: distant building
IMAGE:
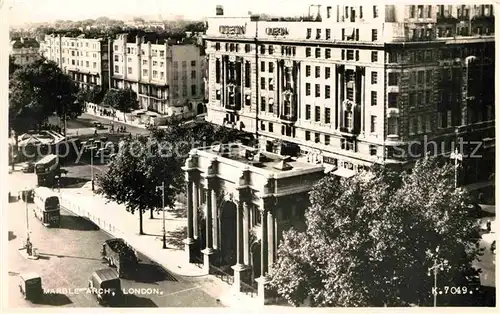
(24, 50)
(167, 76)
(86, 60)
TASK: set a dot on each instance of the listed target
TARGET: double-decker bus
(46, 170)
(47, 207)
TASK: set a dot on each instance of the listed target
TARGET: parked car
(99, 125)
(120, 255)
(106, 286)
(29, 167)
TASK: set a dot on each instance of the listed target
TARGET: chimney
(219, 10)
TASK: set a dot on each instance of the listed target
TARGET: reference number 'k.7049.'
(453, 290)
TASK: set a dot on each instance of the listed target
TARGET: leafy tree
(138, 168)
(12, 66)
(36, 92)
(371, 239)
(124, 100)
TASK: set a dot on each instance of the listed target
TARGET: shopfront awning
(343, 172)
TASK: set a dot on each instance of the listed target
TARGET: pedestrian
(95, 131)
(103, 250)
(488, 226)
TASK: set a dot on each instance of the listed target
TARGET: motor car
(119, 254)
(106, 286)
(29, 167)
(99, 125)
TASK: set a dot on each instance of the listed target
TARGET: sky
(23, 11)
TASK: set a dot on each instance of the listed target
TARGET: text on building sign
(276, 31)
(232, 30)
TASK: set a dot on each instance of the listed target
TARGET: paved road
(70, 254)
(86, 121)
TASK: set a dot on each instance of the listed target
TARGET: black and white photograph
(262, 155)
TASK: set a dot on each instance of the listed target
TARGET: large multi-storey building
(86, 60)
(357, 85)
(24, 50)
(168, 77)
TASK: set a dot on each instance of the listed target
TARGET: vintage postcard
(261, 155)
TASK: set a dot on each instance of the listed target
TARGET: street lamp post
(435, 268)
(28, 241)
(92, 166)
(162, 187)
(456, 156)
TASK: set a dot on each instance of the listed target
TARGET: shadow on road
(54, 299)
(174, 238)
(43, 255)
(72, 182)
(77, 223)
(12, 236)
(151, 273)
(130, 300)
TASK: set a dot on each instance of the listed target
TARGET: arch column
(196, 205)
(263, 280)
(189, 243)
(208, 252)
(241, 270)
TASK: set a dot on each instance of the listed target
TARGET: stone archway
(255, 259)
(227, 232)
(201, 108)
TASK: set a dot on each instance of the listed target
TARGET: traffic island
(24, 253)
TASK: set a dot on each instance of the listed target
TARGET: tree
(124, 100)
(181, 137)
(36, 92)
(12, 66)
(138, 168)
(371, 239)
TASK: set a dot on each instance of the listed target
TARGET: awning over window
(343, 172)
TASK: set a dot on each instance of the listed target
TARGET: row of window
(132, 50)
(79, 44)
(175, 64)
(80, 53)
(420, 124)
(80, 63)
(231, 47)
(317, 114)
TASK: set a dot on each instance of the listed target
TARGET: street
(85, 125)
(69, 255)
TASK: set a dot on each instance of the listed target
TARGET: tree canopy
(143, 163)
(138, 168)
(37, 91)
(124, 100)
(371, 239)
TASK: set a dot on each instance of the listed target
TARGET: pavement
(114, 219)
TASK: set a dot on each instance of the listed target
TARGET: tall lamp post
(162, 188)
(29, 245)
(435, 268)
(456, 155)
(92, 165)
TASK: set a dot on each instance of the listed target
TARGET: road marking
(180, 291)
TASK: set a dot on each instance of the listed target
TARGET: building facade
(240, 201)
(85, 60)
(168, 77)
(349, 86)
(24, 50)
